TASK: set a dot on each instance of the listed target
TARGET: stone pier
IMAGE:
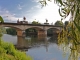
(42, 33)
(21, 33)
(20, 42)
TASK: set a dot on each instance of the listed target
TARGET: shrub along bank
(8, 52)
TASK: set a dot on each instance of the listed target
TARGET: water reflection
(10, 38)
(30, 42)
(39, 48)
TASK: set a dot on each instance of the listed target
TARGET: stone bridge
(42, 29)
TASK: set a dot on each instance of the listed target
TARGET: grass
(8, 52)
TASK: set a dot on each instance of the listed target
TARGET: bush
(2, 50)
(8, 52)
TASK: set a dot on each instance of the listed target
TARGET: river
(39, 48)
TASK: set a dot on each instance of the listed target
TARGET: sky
(12, 10)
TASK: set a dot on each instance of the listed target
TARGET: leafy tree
(31, 31)
(11, 31)
(35, 22)
(1, 28)
(58, 23)
(1, 20)
(8, 52)
(71, 7)
(66, 8)
(66, 23)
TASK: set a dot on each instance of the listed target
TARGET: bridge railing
(29, 23)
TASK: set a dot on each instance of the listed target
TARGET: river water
(39, 48)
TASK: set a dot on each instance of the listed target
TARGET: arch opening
(11, 31)
(52, 32)
(31, 32)
(34, 31)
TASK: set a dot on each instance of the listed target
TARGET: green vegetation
(35, 22)
(1, 28)
(66, 23)
(1, 20)
(71, 34)
(11, 31)
(31, 31)
(58, 23)
(8, 51)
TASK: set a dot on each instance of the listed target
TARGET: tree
(1, 20)
(35, 22)
(66, 23)
(31, 31)
(71, 7)
(58, 23)
(66, 8)
(1, 29)
(11, 31)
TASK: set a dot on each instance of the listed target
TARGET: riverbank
(8, 52)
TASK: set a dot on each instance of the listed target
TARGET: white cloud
(35, 0)
(20, 6)
(38, 6)
(8, 16)
(7, 11)
(49, 12)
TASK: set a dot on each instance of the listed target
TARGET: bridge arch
(53, 31)
(35, 27)
(16, 28)
(37, 30)
(19, 31)
(57, 28)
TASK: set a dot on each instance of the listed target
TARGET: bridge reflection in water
(24, 43)
(40, 48)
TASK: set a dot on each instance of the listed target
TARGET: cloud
(49, 12)
(35, 0)
(20, 6)
(7, 16)
(33, 9)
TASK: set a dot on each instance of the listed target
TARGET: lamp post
(24, 18)
(46, 21)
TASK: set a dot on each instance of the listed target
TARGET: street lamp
(24, 18)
